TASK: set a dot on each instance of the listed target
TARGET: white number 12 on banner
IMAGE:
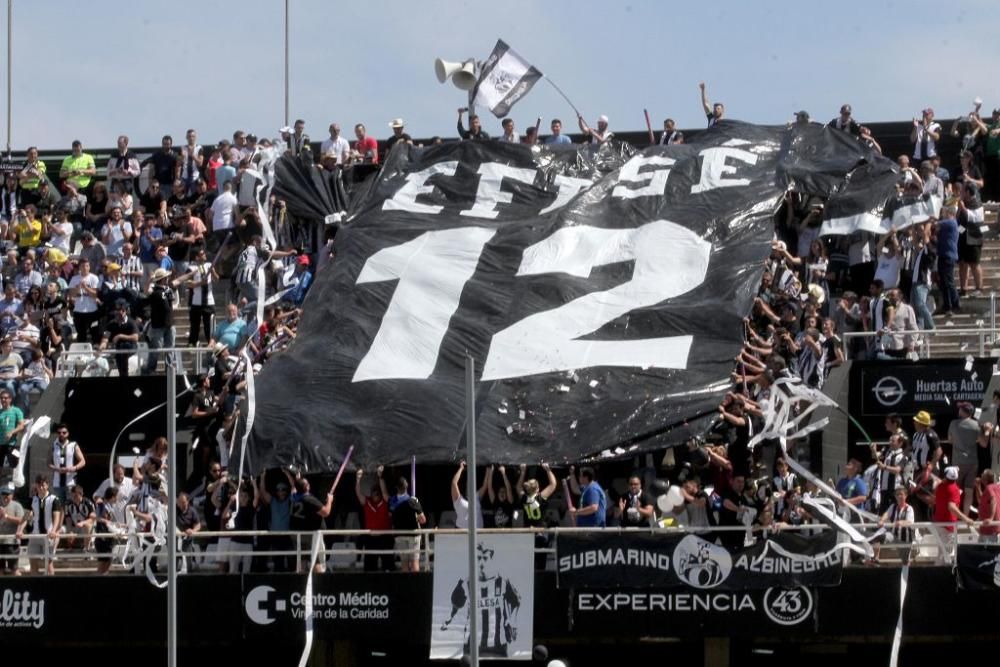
(433, 268)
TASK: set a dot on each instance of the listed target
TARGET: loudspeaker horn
(463, 74)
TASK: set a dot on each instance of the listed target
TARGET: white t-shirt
(61, 234)
(118, 235)
(338, 146)
(888, 269)
(462, 513)
(84, 302)
(10, 366)
(222, 211)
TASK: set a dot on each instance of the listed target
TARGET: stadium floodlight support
(286, 64)
(10, 67)
(473, 498)
(171, 363)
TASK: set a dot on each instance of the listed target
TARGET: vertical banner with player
(505, 581)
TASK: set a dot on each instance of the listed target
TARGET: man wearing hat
(598, 136)
(926, 454)
(845, 122)
(397, 134)
(337, 145)
(303, 277)
(947, 495)
(160, 293)
(802, 118)
(12, 520)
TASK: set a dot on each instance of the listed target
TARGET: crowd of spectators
(107, 262)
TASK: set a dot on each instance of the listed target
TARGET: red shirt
(377, 516)
(992, 491)
(946, 492)
(367, 144)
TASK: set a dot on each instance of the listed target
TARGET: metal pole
(171, 511)
(286, 63)
(10, 68)
(470, 471)
(993, 317)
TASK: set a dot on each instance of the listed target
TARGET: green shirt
(993, 143)
(32, 183)
(9, 419)
(73, 163)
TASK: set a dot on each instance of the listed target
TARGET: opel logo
(889, 391)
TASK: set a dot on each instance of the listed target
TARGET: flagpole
(558, 90)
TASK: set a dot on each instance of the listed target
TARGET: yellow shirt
(32, 183)
(73, 163)
(29, 233)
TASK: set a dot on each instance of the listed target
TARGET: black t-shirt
(404, 517)
(305, 513)
(728, 517)
(128, 327)
(202, 203)
(974, 173)
(634, 502)
(187, 519)
(151, 203)
(174, 200)
(390, 142)
(161, 307)
(534, 510)
(503, 514)
(164, 165)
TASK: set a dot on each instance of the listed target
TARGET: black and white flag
(600, 294)
(505, 78)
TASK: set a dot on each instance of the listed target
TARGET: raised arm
(574, 483)
(358, 493)
(551, 487)
(522, 475)
(261, 489)
(489, 485)
(456, 493)
(506, 484)
(486, 475)
(704, 99)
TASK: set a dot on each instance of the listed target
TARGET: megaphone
(462, 74)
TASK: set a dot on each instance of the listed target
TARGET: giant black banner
(662, 560)
(978, 567)
(600, 294)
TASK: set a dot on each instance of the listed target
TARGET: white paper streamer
(314, 556)
(251, 412)
(36, 428)
(831, 518)
(114, 447)
(897, 636)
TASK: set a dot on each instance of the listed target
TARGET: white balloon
(671, 500)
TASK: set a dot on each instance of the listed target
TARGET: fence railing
(85, 360)
(345, 550)
(985, 339)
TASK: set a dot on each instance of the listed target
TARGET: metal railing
(345, 550)
(84, 360)
(985, 337)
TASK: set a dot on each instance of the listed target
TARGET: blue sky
(92, 70)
